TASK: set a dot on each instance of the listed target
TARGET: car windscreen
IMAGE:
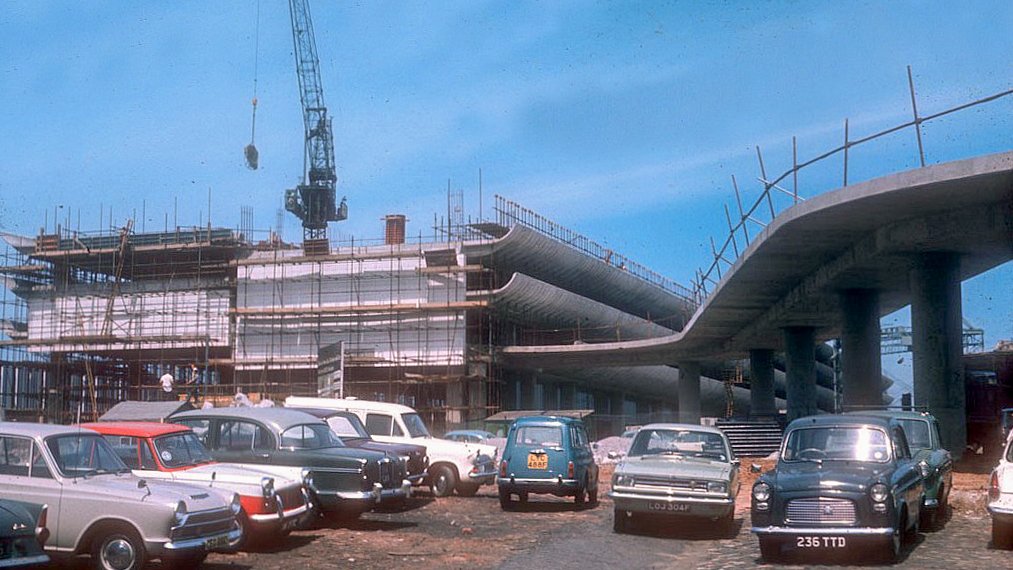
(845, 443)
(310, 436)
(547, 436)
(683, 443)
(416, 427)
(347, 426)
(79, 455)
(917, 433)
(181, 449)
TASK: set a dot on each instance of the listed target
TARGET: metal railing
(705, 278)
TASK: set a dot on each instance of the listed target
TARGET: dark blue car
(551, 455)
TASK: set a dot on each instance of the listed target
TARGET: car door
(243, 441)
(907, 477)
(538, 451)
(25, 475)
(582, 454)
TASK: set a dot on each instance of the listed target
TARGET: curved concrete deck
(861, 236)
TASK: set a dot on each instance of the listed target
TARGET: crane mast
(313, 201)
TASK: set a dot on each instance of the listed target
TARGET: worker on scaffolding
(167, 388)
(195, 379)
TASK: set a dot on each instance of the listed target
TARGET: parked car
(840, 481)
(1000, 499)
(680, 471)
(469, 435)
(272, 505)
(453, 465)
(935, 463)
(349, 429)
(23, 533)
(98, 507)
(547, 454)
(342, 481)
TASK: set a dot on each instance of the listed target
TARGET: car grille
(670, 484)
(291, 498)
(204, 523)
(820, 510)
(386, 472)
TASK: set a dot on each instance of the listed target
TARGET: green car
(22, 533)
(550, 455)
(935, 463)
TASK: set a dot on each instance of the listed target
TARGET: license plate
(821, 541)
(538, 461)
(669, 507)
(217, 542)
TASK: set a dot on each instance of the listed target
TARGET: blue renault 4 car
(551, 455)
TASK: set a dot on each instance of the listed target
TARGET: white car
(452, 464)
(1000, 499)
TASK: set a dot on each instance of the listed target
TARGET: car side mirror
(755, 468)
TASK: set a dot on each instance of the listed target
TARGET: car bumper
(666, 504)
(24, 561)
(397, 494)
(558, 485)
(215, 543)
(788, 531)
(1001, 512)
(287, 520)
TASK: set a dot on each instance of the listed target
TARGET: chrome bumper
(194, 543)
(402, 492)
(822, 531)
(712, 501)
(1000, 510)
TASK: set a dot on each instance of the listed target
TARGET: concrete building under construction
(93, 319)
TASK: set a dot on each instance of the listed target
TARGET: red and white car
(273, 504)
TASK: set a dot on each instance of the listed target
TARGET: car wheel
(620, 521)
(911, 534)
(505, 502)
(929, 518)
(726, 523)
(244, 526)
(580, 495)
(442, 480)
(1002, 534)
(770, 549)
(891, 547)
(119, 548)
(522, 497)
(467, 489)
(592, 496)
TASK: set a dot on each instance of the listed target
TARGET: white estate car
(452, 464)
(1000, 498)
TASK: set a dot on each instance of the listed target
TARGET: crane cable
(252, 156)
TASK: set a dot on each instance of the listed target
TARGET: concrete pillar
(761, 384)
(800, 371)
(526, 389)
(567, 396)
(689, 392)
(861, 355)
(937, 345)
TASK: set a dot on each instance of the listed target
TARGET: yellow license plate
(217, 542)
(538, 461)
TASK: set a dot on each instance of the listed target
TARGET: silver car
(678, 471)
(98, 507)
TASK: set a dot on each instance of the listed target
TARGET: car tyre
(580, 495)
(891, 547)
(1002, 534)
(726, 523)
(118, 548)
(467, 489)
(911, 534)
(442, 480)
(770, 549)
(620, 521)
(592, 496)
(522, 496)
(505, 502)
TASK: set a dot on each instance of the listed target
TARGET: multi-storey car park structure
(91, 320)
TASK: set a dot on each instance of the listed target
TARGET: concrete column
(567, 396)
(861, 355)
(800, 371)
(527, 393)
(937, 345)
(689, 392)
(761, 384)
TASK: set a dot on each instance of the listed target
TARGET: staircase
(752, 438)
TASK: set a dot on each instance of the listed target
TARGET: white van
(452, 464)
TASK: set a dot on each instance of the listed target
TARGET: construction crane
(313, 201)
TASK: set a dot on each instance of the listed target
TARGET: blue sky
(621, 120)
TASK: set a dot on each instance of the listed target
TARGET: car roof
(278, 418)
(324, 413)
(468, 432)
(547, 419)
(840, 419)
(681, 427)
(135, 429)
(898, 414)
(30, 429)
(346, 404)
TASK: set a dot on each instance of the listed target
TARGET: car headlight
(761, 492)
(235, 505)
(717, 487)
(307, 478)
(267, 487)
(621, 480)
(879, 492)
(923, 468)
(179, 515)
